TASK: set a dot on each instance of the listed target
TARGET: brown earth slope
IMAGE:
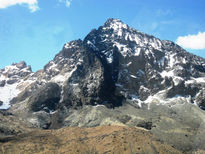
(102, 139)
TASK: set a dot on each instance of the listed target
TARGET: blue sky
(36, 30)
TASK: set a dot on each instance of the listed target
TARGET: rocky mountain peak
(128, 41)
(13, 73)
(115, 76)
(115, 24)
(21, 65)
(10, 77)
(113, 65)
(112, 20)
(146, 64)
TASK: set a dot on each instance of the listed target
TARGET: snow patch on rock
(7, 93)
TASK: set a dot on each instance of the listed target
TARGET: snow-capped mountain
(115, 76)
(114, 64)
(146, 69)
(13, 81)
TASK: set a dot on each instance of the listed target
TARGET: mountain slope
(104, 139)
(116, 75)
(114, 64)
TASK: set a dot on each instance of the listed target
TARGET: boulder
(200, 99)
(11, 81)
(2, 83)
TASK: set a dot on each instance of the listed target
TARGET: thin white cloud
(196, 42)
(32, 4)
(154, 25)
(66, 2)
(163, 12)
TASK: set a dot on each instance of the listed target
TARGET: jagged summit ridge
(117, 25)
(117, 34)
(12, 81)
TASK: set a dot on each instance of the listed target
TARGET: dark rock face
(86, 77)
(11, 81)
(183, 90)
(21, 65)
(1, 103)
(46, 98)
(200, 99)
(90, 83)
(84, 86)
(2, 83)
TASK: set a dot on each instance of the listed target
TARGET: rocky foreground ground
(102, 139)
(97, 129)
